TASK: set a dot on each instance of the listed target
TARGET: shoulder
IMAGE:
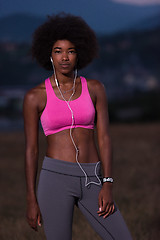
(96, 86)
(34, 95)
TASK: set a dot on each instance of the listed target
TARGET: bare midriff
(60, 145)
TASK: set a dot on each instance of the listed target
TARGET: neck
(64, 79)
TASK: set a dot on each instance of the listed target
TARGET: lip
(64, 64)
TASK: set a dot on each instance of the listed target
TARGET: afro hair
(64, 27)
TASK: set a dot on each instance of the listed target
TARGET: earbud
(57, 83)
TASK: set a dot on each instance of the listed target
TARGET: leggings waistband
(70, 168)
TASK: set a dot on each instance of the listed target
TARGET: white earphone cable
(76, 148)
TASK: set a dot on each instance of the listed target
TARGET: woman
(69, 108)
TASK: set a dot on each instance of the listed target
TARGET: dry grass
(136, 188)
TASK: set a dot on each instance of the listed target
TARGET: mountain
(104, 16)
(18, 27)
(148, 23)
(109, 19)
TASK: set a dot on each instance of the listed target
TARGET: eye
(72, 52)
(57, 51)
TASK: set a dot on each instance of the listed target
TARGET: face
(64, 56)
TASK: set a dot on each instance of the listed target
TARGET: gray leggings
(61, 186)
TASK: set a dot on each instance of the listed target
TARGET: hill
(128, 66)
(18, 27)
(148, 23)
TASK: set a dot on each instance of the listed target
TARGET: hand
(33, 215)
(105, 200)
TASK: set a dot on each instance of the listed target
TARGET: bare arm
(31, 119)
(103, 135)
(106, 205)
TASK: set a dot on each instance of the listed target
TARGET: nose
(65, 56)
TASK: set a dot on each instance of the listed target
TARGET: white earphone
(54, 72)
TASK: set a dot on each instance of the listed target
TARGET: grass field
(136, 188)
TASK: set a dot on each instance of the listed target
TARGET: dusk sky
(101, 15)
(138, 2)
(43, 7)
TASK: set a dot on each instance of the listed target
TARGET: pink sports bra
(57, 116)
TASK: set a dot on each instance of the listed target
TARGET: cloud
(138, 2)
